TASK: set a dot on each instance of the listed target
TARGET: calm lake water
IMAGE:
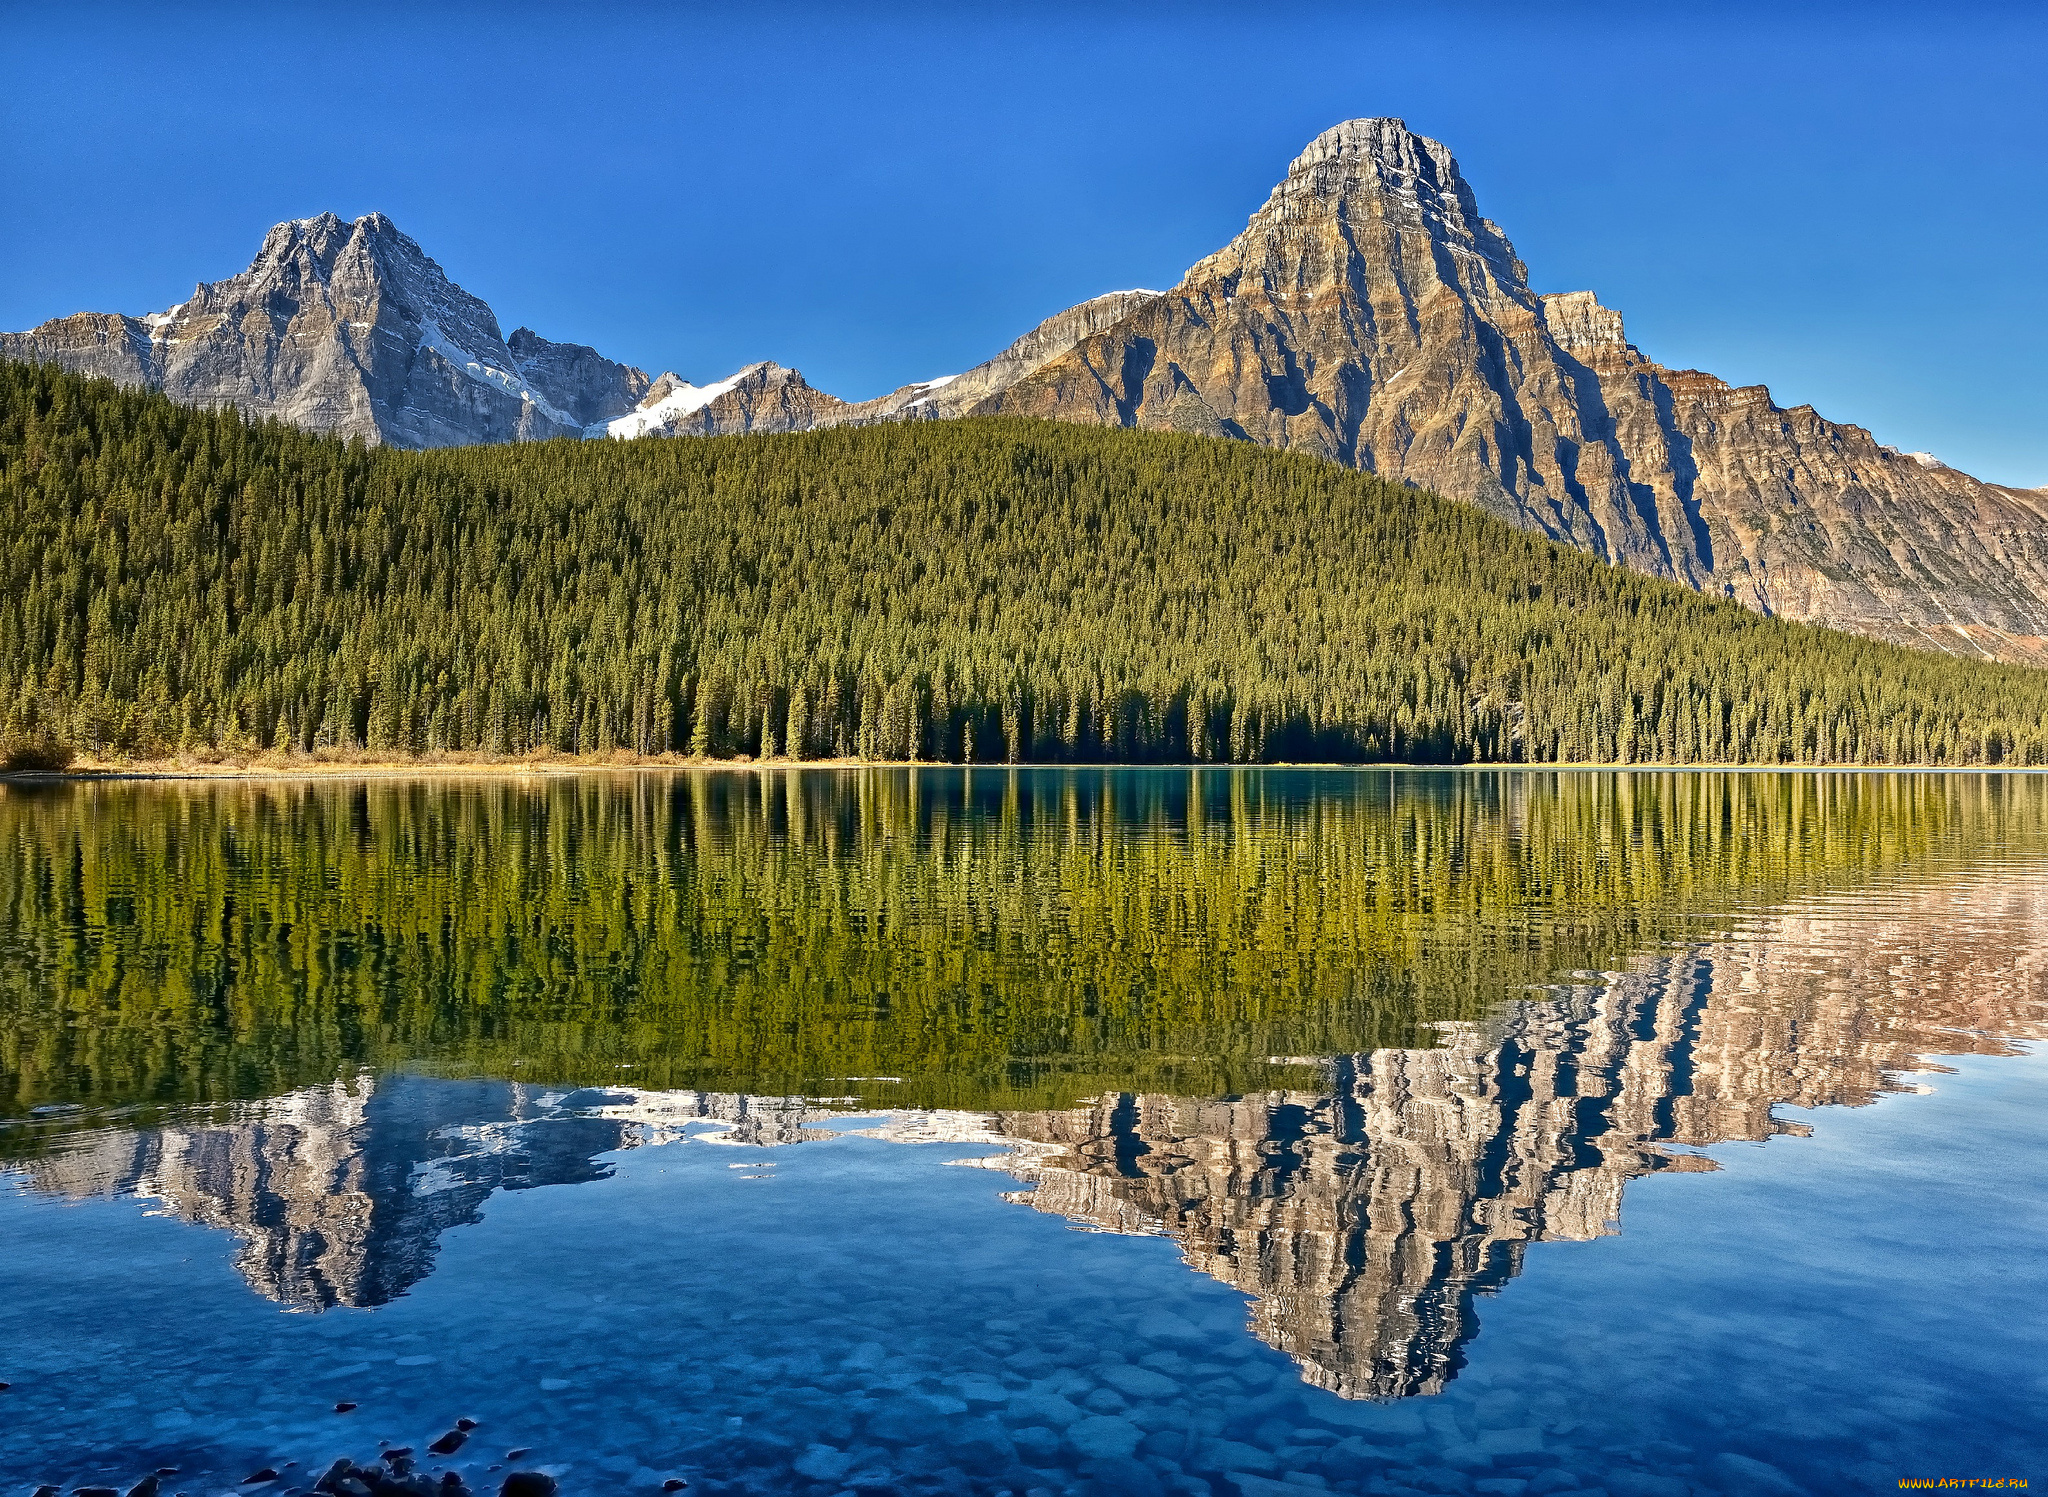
(973, 1131)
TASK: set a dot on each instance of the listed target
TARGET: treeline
(974, 591)
(993, 939)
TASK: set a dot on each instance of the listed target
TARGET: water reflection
(1361, 1215)
(999, 941)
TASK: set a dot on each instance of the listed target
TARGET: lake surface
(972, 1131)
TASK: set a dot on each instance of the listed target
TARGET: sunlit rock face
(1371, 315)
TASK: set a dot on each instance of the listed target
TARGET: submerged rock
(1105, 1436)
(1743, 1476)
(823, 1463)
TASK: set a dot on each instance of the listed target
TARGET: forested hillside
(981, 590)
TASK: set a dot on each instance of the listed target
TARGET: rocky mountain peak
(348, 327)
(1386, 142)
(1368, 313)
(1369, 197)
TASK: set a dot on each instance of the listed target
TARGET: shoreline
(567, 766)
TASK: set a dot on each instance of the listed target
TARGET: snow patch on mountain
(1924, 459)
(431, 337)
(682, 400)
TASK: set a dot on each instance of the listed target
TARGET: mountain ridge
(1367, 312)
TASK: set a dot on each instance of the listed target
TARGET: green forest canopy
(978, 591)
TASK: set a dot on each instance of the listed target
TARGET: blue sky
(1848, 203)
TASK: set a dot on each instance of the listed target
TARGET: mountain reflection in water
(1362, 1216)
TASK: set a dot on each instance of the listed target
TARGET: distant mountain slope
(984, 590)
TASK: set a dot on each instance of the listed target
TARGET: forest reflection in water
(1352, 1042)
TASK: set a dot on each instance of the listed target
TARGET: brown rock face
(347, 328)
(1369, 314)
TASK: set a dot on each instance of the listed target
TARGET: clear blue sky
(1848, 203)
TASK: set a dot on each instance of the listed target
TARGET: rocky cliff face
(1369, 314)
(957, 394)
(348, 328)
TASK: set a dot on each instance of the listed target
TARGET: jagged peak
(1578, 323)
(1370, 169)
(1381, 139)
(324, 235)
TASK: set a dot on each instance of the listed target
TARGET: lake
(971, 1131)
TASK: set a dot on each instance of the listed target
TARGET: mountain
(761, 397)
(1369, 314)
(350, 329)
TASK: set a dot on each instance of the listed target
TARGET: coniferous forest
(986, 591)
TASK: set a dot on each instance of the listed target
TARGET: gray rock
(1120, 1476)
(1352, 1456)
(1442, 1421)
(1625, 1483)
(1138, 1382)
(1375, 1421)
(1466, 1456)
(1036, 1444)
(982, 1392)
(980, 1445)
(911, 1421)
(1244, 1484)
(1104, 1437)
(1169, 1329)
